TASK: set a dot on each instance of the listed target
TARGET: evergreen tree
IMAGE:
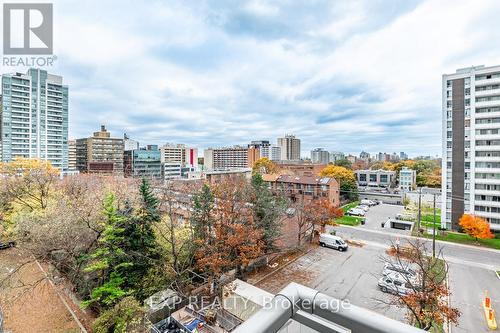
(127, 249)
(202, 217)
(267, 211)
(140, 238)
(109, 260)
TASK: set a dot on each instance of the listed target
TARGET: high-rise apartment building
(320, 156)
(34, 117)
(471, 145)
(336, 155)
(290, 148)
(230, 157)
(100, 153)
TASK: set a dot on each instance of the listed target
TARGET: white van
(332, 241)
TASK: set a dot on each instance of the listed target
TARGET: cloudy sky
(343, 75)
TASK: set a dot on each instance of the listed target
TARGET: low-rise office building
(144, 162)
(375, 178)
(407, 179)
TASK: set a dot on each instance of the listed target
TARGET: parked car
(400, 268)
(332, 241)
(363, 207)
(394, 283)
(7, 245)
(356, 212)
(367, 202)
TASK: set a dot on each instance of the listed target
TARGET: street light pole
(434, 229)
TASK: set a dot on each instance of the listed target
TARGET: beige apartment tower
(290, 148)
(100, 153)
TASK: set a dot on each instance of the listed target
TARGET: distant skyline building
(290, 147)
(471, 145)
(143, 162)
(72, 155)
(364, 156)
(177, 160)
(129, 144)
(266, 149)
(320, 156)
(100, 153)
(34, 117)
(230, 157)
(336, 155)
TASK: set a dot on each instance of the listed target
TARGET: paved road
(457, 253)
(467, 286)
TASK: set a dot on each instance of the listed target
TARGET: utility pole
(434, 230)
(419, 209)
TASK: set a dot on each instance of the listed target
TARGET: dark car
(7, 245)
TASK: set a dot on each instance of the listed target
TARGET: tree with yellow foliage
(346, 179)
(28, 182)
(265, 166)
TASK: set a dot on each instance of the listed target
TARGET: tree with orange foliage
(423, 294)
(321, 212)
(226, 236)
(475, 226)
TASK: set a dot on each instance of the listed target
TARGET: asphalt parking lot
(353, 276)
(380, 213)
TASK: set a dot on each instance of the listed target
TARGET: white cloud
(174, 71)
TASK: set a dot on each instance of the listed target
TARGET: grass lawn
(349, 220)
(456, 237)
(430, 218)
(345, 208)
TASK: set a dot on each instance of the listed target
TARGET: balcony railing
(320, 312)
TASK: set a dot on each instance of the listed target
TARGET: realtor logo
(27, 28)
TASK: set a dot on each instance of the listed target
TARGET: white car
(356, 212)
(363, 207)
(394, 283)
(367, 202)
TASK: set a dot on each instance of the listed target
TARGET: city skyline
(218, 75)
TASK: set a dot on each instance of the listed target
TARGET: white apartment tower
(320, 156)
(34, 117)
(290, 148)
(471, 145)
